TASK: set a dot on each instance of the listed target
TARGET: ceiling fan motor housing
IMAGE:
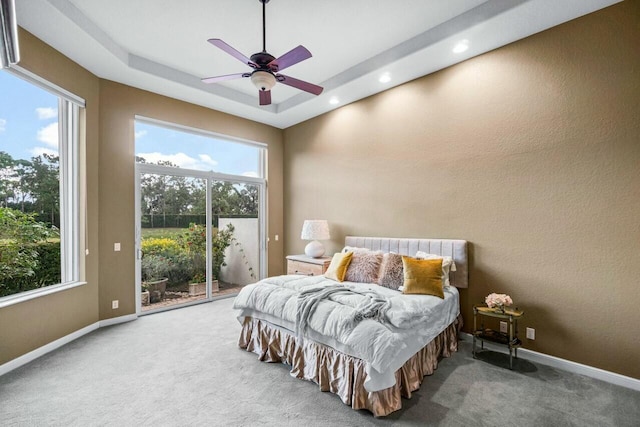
(262, 59)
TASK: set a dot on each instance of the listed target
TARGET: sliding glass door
(197, 237)
(236, 257)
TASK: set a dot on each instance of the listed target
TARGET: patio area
(174, 297)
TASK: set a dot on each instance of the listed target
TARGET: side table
(302, 264)
(509, 339)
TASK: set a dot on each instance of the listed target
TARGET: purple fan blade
(265, 97)
(231, 51)
(223, 78)
(300, 84)
(295, 55)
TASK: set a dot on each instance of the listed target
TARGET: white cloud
(204, 162)
(140, 133)
(205, 158)
(37, 151)
(250, 174)
(3, 125)
(46, 113)
(49, 135)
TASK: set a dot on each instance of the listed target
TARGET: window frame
(209, 176)
(71, 226)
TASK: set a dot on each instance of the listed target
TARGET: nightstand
(302, 264)
(509, 339)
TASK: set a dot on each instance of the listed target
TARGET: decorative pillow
(447, 264)
(422, 276)
(338, 267)
(364, 267)
(391, 275)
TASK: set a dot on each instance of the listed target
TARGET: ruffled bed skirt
(342, 374)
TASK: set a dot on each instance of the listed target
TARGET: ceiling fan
(266, 67)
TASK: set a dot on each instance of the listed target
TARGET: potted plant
(155, 272)
(195, 241)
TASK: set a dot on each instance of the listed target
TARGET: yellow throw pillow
(338, 267)
(422, 276)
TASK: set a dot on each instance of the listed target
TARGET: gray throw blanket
(375, 308)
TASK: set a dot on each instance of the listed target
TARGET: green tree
(6, 174)
(19, 235)
(43, 183)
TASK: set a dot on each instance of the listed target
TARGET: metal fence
(182, 220)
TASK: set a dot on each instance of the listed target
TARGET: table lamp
(314, 230)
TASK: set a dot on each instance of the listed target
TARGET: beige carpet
(183, 368)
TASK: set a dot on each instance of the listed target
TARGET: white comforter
(407, 323)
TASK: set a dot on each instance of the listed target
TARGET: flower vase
(499, 308)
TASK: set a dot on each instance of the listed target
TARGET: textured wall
(32, 324)
(530, 152)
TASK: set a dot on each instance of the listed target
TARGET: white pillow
(447, 265)
(356, 250)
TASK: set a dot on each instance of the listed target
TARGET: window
(172, 145)
(39, 187)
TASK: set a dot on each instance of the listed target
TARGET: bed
(368, 344)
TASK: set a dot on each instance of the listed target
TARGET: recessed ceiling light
(385, 78)
(334, 100)
(461, 46)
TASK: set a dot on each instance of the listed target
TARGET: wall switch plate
(116, 247)
(114, 304)
(531, 334)
(277, 237)
(503, 327)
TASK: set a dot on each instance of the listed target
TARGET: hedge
(46, 273)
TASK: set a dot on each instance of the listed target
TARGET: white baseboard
(116, 320)
(41, 351)
(563, 364)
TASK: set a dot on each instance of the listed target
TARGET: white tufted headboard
(456, 249)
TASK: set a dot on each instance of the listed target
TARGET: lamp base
(314, 249)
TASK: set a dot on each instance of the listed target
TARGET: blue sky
(194, 151)
(28, 118)
(29, 127)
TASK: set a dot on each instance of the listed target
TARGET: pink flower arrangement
(498, 300)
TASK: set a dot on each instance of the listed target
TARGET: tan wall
(530, 152)
(118, 106)
(32, 324)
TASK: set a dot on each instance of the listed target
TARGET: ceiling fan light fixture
(263, 80)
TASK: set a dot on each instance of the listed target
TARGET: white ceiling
(160, 45)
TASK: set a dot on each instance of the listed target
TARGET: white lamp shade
(315, 229)
(263, 80)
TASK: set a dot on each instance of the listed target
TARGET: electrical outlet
(531, 334)
(116, 247)
(503, 327)
(114, 304)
